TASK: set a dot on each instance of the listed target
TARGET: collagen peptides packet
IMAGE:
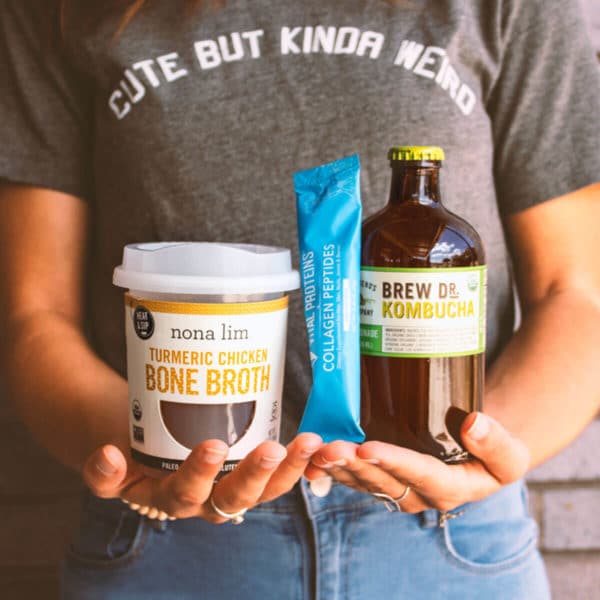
(329, 230)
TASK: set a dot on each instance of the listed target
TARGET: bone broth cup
(206, 331)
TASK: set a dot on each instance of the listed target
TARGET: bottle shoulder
(418, 235)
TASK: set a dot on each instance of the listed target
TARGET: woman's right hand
(269, 471)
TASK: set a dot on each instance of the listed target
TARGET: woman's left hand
(385, 468)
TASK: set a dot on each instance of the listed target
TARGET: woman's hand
(385, 468)
(266, 473)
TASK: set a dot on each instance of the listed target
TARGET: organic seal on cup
(205, 329)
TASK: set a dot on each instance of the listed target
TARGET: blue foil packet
(329, 232)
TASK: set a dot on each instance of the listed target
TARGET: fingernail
(308, 452)
(334, 463)
(371, 461)
(212, 456)
(321, 487)
(270, 462)
(105, 464)
(480, 427)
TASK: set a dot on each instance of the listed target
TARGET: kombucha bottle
(423, 281)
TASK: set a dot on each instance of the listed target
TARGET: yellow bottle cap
(416, 153)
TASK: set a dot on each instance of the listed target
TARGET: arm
(543, 388)
(57, 383)
(72, 402)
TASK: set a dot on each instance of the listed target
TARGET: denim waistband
(339, 499)
(343, 498)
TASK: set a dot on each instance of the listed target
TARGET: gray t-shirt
(190, 128)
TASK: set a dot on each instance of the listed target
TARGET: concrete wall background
(39, 501)
(565, 499)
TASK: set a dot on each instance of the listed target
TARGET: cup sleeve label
(202, 371)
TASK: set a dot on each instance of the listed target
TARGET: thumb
(104, 471)
(504, 456)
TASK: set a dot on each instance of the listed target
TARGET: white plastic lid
(206, 268)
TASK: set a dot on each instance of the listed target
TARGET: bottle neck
(415, 184)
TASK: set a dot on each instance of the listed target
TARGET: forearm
(70, 400)
(544, 386)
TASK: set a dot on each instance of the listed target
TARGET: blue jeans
(345, 546)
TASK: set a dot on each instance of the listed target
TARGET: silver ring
(236, 518)
(392, 504)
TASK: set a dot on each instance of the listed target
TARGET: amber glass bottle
(422, 313)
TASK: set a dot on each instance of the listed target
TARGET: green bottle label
(422, 312)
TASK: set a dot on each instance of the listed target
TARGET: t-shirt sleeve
(544, 104)
(44, 106)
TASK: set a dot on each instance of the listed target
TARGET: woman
(189, 125)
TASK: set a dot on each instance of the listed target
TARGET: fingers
(267, 472)
(335, 454)
(271, 470)
(504, 456)
(244, 486)
(183, 493)
(104, 471)
(344, 462)
(420, 471)
(502, 459)
(373, 479)
(299, 454)
(331, 460)
(441, 486)
(377, 467)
